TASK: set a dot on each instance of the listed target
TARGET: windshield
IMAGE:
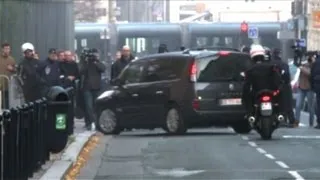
(220, 68)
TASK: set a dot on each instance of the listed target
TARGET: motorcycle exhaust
(251, 119)
(280, 118)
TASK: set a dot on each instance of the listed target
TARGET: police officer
(286, 88)
(28, 71)
(262, 75)
(50, 69)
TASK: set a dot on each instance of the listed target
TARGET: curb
(59, 168)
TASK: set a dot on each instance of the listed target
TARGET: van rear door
(219, 81)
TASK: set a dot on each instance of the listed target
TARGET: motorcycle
(266, 116)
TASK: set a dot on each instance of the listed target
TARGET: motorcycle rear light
(265, 98)
(195, 104)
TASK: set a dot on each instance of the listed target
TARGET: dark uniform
(32, 82)
(51, 72)
(286, 89)
(259, 77)
(315, 86)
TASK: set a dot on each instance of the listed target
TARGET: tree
(86, 10)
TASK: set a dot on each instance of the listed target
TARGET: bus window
(83, 42)
(75, 44)
(228, 42)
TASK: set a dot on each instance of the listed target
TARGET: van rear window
(222, 68)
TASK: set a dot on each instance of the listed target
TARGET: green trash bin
(59, 104)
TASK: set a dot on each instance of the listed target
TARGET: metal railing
(24, 140)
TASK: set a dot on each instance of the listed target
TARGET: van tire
(174, 121)
(108, 116)
(242, 127)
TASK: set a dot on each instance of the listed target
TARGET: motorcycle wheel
(266, 128)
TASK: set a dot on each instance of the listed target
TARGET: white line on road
(262, 151)
(282, 164)
(269, 156)
(300, 137)
(296, 175)
(245, 137)
(253, 144)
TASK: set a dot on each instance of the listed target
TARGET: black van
(177, 91)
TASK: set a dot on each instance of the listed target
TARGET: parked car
(177, 91)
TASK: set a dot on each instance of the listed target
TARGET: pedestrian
(50, 69)
(70, 69)
(7, 68)
(33, 86)
(91, 70)
(304, 90)
(126, 58)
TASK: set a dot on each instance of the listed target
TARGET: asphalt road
(207, 154)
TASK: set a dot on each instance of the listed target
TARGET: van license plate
(266, 106)
(228, 102)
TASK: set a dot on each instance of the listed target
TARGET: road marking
(302, 125)
(296, 175)
(269, 156)
(245, 137)
(282, 164)
(262, 151)
(300, 137)
(253, 144)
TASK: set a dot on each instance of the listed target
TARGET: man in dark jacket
(91, 70)
(286, 91)
(315, 85)
(118, 65)
(50, 69)
(70, 70)
(33, 86)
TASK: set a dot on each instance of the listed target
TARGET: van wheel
(174, 122)
(108, 122)
(242, 127)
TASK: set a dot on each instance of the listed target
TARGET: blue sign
(253, 32)
(301, 42)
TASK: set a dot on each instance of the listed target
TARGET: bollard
(14, 130)
(7, 145)
(70, 125)
(57, 116)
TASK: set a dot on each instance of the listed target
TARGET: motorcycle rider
(262, 75)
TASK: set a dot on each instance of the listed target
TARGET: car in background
(177, 91)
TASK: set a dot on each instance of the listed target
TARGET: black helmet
(246, 49)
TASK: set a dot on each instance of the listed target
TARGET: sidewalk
(59, 163)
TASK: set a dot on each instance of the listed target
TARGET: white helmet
(257, 50)
(27, 46)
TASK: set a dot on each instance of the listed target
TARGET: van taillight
(195, 104)
(193, 72)
(224, 53)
